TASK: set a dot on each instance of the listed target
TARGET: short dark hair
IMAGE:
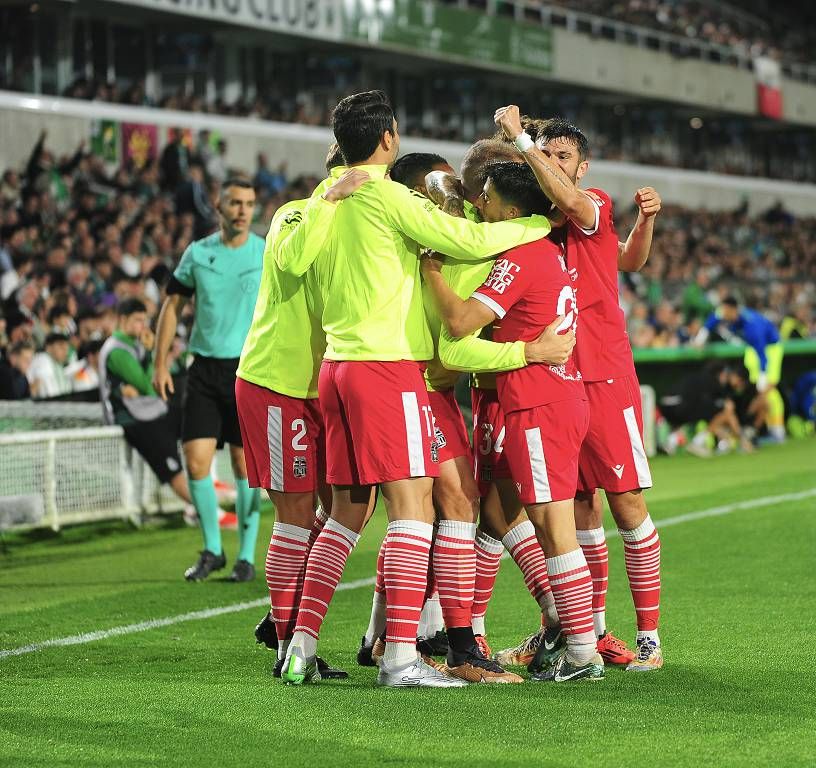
(479, 156)
(128, 307)
(55, 337)
(516, 184)
(359, 122)
(334, 157)
(21, 346)
(731, 301)
(411, 169)
(559, 128)
(236, 181)
(57, 311)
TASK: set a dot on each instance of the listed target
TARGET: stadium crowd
(77, 238)
(750, 29)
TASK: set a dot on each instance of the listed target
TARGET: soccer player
(544, 406)
(377, 339)
(502, 519)
(281, 424)
(612, 456)
(763, 354)
(455, 493)
(223, 272)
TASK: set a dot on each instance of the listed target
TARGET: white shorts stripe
(274, 437)
(538, 466)
(413, 433)
(644, 475)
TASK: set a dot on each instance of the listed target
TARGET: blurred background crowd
(75, 239)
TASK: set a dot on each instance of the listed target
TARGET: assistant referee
(223, 271)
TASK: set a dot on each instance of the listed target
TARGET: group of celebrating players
(374, 295)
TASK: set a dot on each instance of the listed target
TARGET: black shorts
(209, 406)
(157, 443)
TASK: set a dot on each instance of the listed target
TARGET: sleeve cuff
(177, 288)
(597, 218)
(492, 305)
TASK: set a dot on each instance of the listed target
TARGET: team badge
(486, 473)
(440, 437)
(299, 466)
(434, 452)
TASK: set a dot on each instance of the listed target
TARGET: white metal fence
(59, 465)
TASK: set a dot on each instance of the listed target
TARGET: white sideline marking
(143, 626)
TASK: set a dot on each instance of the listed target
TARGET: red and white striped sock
(405, 567)
(488, 559)
(285, 568)
(454, 565)
(571, 585)
(319, 521)
(641, 549)
(327, 560)
(593, 544)
(523, 546)
(376, 623)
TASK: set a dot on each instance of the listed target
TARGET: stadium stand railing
(303, 147)
(631, 34)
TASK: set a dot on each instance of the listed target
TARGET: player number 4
(486, 444)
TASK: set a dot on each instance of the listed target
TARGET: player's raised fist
(346, 185)
(648, 201)
(509, 120)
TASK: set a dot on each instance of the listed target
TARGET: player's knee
(628, 509)
(196, 468)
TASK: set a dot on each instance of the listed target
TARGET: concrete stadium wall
(68, 121)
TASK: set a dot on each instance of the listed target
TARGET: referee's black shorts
(209, 406)
(156, 442)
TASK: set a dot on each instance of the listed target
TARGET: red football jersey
(528, 288)
(602, 347)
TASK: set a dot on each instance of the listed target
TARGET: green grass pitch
(738, 688)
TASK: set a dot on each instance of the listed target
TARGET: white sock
(549, 611)
(376, 624)
(649, 635)
(306, 643)
(398, 655)
(430, 620)
(282, 649)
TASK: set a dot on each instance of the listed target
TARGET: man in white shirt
(46, 375)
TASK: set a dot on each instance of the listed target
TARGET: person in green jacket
(128, 397)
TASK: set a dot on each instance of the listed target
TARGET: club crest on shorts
(434, 452)
(439, 435)
(299, 466)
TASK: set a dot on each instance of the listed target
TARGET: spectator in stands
(267, 181)
(217, 168)
(174, 162)
(128, 398)
(12, 279)
(192, 198)
(13, 371)
(46, 376)
(83, 373)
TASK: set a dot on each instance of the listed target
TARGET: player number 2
(299, 426)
